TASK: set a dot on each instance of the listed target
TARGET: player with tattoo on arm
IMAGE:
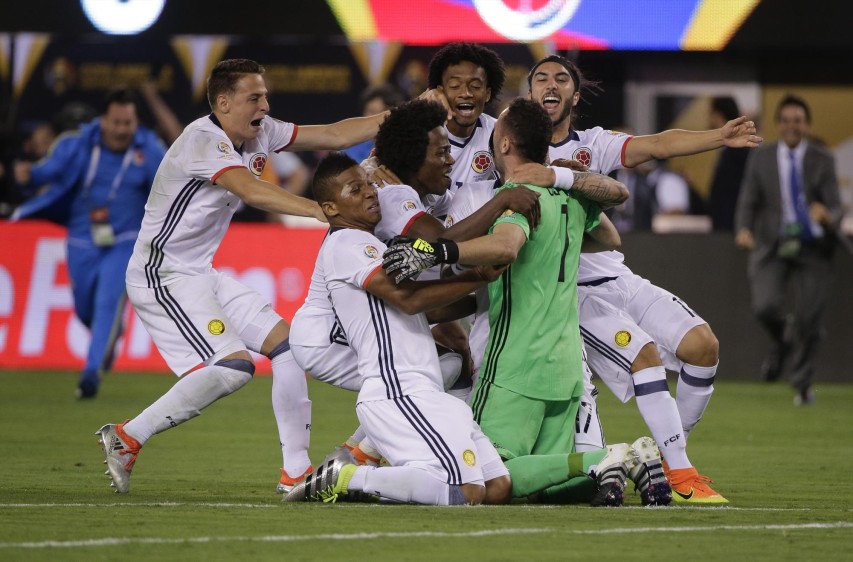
(633, 329)
(532, 378)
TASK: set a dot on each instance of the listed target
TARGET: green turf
(205, 491)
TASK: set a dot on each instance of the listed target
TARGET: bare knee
(498, 490)
(648, 357)
(699, 347)
(474, 493)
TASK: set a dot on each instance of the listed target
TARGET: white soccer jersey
(466, 201)
(187, 214)
(474, 161)
(316, 312)
(396, 351)
(401, 206)
(602, 151)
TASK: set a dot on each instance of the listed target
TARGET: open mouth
(257, 122)
(550, 102)
(465, 109)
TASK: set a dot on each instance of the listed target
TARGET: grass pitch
(205, 491)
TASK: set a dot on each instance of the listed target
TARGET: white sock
(661, 415)
(292, 410)
(695, 386)
(402, 484)
(358, 435)
(191, 394)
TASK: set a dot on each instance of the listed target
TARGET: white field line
(276, 506)
(119, 541)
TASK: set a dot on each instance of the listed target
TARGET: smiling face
(792, 124)
(467, 90)
(118, 125)
(434, 174)
(355, 204)
(552, 88)
(241, 112)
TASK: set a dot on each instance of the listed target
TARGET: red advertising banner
(38, 328)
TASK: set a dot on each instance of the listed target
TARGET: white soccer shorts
(203, 318)
(335, 364)
(432, 431)
(619, 317)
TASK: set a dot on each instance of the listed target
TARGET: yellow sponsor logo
(469, 457)
(508, 213)
(216, 327)
(623, 338)
(423, 245)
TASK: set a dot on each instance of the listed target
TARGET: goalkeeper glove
(406, 257)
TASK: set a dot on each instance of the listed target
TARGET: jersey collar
(216, 122)
(573, 136)
(464, 143)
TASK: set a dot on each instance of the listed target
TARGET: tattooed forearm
(602, 189)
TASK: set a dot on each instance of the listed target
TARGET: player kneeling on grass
(438, 455)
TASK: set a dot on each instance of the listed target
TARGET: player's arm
(565, 174)
(413, 297)
(337, 136)
(518, 199)
(499, 247)
(736, 133)
(444, 316)
(266, 196)
(603, 237)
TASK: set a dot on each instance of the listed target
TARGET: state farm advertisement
(38, 328)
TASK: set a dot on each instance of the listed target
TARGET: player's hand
(739, 133)
(491, 272)
(382, 176)
(437, 95)
(575, 165)
(524, 201)
(744, 239)
(406, 257)
(534, 174)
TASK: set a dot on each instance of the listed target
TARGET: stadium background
(659, 62)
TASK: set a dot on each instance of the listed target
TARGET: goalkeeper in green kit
(529, 389)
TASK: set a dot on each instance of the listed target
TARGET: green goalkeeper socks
(533, 473)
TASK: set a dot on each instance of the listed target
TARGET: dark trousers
(808, 278)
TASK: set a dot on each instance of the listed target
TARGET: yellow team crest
(469, 457)
(216, 327)
(623, 338)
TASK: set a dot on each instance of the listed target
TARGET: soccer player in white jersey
(633, 329)
(193, 313)
(471, 76)
(438, 455)
(412, 144)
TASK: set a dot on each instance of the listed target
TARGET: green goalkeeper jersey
(534, 344)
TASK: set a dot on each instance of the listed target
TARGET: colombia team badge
(623, 338)
(257, 163)
(481, 161)
(583, 155)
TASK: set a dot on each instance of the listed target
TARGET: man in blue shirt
(96, 181)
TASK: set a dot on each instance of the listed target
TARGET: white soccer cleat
(120, 452)
(611, 474)
(647, 473)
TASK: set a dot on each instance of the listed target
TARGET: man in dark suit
(788, 212)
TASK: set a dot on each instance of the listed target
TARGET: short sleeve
(400, 206)
(467, 200)
(351, 257)
(512, 217)
(609, 148)
(592, 211)
(281, 133)
(209, 155)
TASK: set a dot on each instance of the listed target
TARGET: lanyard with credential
(93, 168)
